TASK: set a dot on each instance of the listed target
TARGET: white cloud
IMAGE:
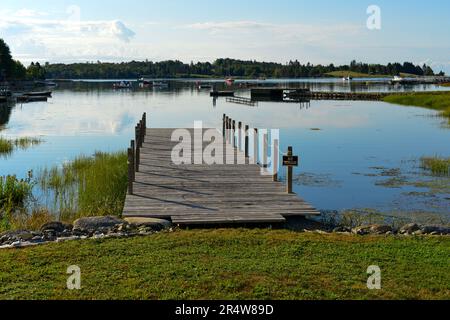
(33, 36)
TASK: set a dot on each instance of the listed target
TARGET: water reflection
(348, 137)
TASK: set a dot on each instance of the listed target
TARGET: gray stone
(150, 223)
(381, 229)
(361, 230)
(409, 228)
(342, 230)
(435, 230)
(56, 227)
(96, 223)
(372, 229)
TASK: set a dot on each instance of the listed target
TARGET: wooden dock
(203, 194)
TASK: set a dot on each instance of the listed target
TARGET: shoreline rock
(113, 227)
(84, 228)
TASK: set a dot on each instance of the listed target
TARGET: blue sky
(317, 31)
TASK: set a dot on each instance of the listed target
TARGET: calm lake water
(360, 145)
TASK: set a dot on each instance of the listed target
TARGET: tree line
(11, 69)
(222, 68)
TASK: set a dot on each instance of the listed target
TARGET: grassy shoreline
(439, 101)
(231, 264)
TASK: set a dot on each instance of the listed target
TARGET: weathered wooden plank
(206, 194)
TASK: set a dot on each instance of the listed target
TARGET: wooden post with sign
(290, 161)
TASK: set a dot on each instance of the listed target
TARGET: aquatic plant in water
(437, 166)
(7, 146)
(14, 195)
(87, 186)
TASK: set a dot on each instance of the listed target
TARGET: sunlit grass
(87, 186)
(14, 195)
(431, 100)
(231, 264)
(438, 166)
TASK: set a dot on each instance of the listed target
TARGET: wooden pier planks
(204, 194)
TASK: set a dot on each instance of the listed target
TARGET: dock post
(265, 149)
(289, 172)
(233, 131)
(239, 136)
(142, 131)
(246, 142)
(138, 150)
(130, 171)
(256, 146)
(144, 120)
(275, 159)
(224, 124)
(133, 149)
(228, 129)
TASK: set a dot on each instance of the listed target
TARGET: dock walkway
(204, 194)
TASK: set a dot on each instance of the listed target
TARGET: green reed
(87, 186)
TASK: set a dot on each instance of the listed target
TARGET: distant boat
(5, 93)
(145, 81)
(347, 78)
(46, 83)
(38, 94)
(230, 81)
(160, 84)
(204, 86)
(399, 80)
(123, 85)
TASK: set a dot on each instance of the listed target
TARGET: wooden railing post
(246, 147)
(133, 149)
(130, 171)
(233, 132)
(265, 149)
(275, 158)
(224, 125)
(289, 172)
(256, 146)
(138, 151)
(142, 132)
(239, 137)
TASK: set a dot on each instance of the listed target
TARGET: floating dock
(305, 95)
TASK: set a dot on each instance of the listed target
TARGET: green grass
(437, 166)
(447, 84)
(7, 146)
(87, 186)
(439, 101)
(14, 194)
(231, 264)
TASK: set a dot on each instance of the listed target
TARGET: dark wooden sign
(290, 161)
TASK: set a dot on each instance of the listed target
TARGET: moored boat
(230, 81)
(160, 84)
(38, 94)
(123, 85)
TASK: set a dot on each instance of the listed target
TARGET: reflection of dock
(222, 93)
(242, 100)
